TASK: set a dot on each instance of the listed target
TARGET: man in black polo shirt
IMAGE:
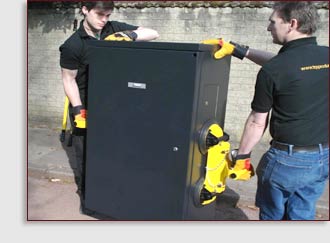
(74, 66)
(294, 87)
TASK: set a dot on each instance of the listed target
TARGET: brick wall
(49, 28)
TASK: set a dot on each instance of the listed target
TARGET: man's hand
(122, 36)
(227, 48)
(80, 115)
(242, 168)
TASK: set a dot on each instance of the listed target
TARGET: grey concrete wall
(49, 28)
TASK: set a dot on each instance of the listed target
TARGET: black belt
(309, 148)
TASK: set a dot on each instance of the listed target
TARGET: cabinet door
(140, 110)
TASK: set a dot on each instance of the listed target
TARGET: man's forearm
(70, 86)
(253, 131)
(72, 91)
(259, 57)
(146, 34)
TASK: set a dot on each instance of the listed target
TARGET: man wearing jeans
(294, 87)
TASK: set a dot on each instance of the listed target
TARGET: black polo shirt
(294, 85)
(74, 52)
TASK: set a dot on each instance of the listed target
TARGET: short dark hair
(103, 5)
(304, 12)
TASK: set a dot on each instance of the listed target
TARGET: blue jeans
(290, 183)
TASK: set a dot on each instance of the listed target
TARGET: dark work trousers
(78, 143)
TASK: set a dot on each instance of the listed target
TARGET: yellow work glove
(80, 115)
(241, 167)
(122, 36)
(227, 48)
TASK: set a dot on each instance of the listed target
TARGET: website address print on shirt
(314, 67)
